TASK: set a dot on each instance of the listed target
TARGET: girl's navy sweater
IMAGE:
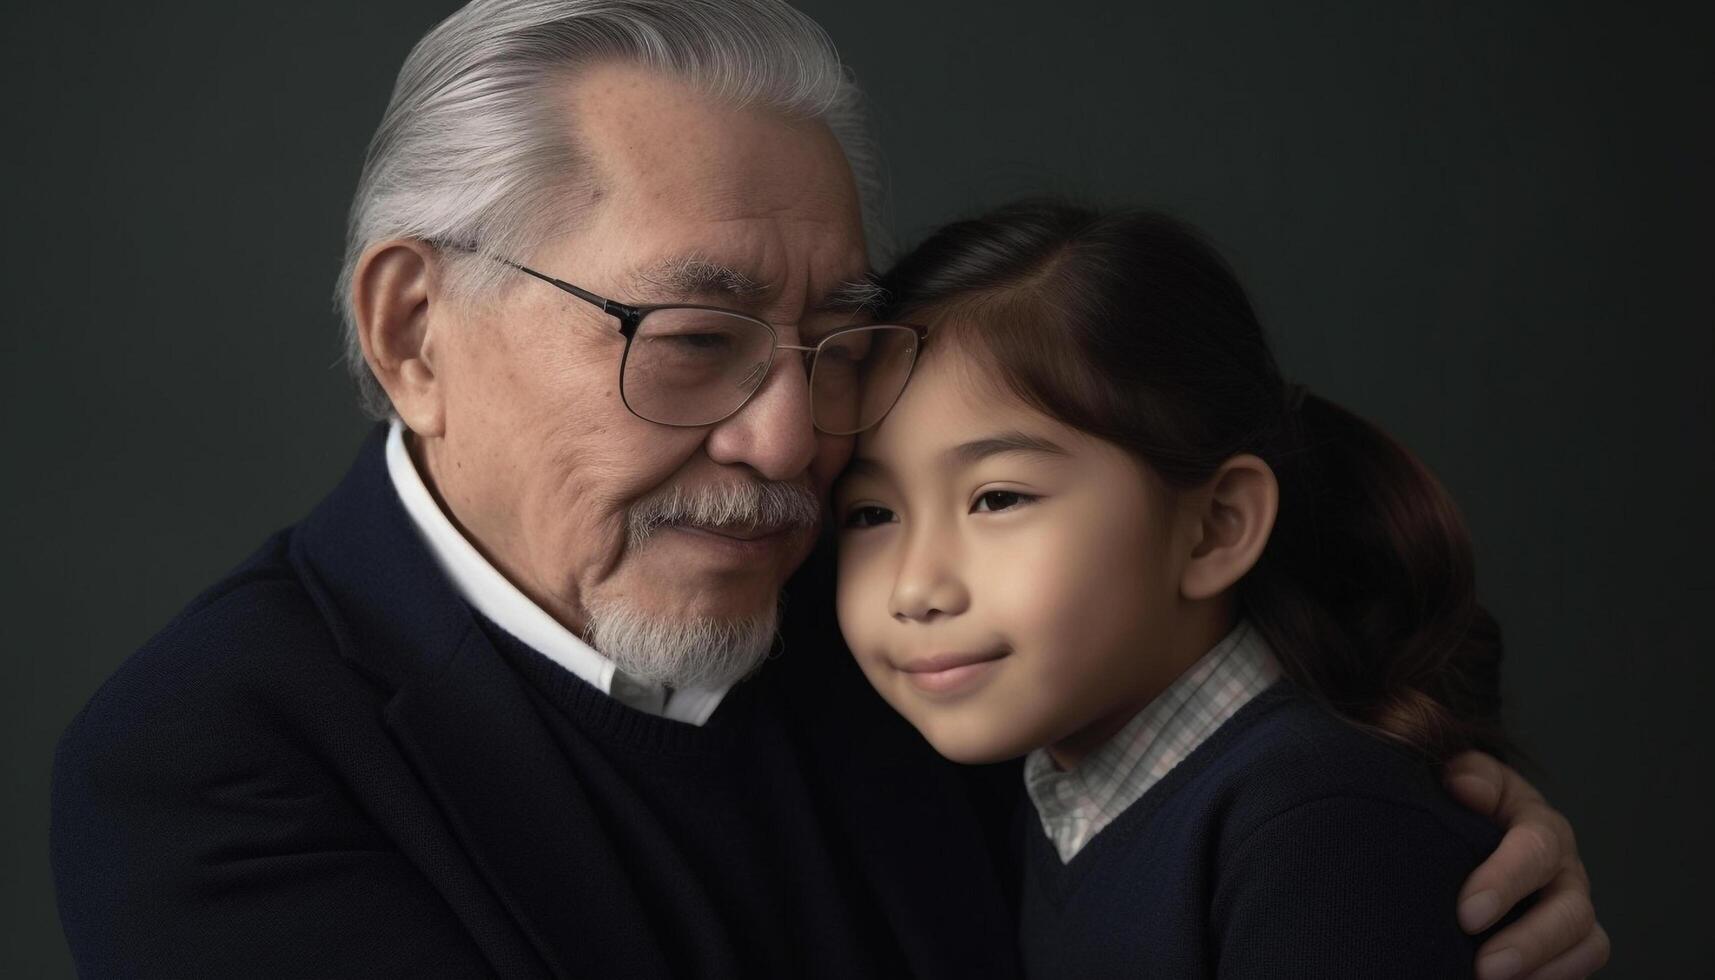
(1289, 844)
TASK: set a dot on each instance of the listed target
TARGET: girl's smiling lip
(948, 673)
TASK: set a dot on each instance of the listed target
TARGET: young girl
(1099, 528)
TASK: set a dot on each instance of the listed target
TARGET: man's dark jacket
(322, 767)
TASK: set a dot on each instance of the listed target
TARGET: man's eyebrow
(861, 295)
(694, 275)
(977, 450)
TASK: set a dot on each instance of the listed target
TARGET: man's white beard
(681, 654)
(703, 652)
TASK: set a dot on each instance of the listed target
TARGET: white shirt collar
(489, 593)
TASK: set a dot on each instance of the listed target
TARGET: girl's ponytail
(1366, 590)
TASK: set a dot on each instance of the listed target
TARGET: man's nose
(773, 433)
(927, 585)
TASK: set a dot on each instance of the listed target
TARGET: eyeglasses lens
(694, 367)
(858, 376)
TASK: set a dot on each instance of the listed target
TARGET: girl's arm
(1559, 936)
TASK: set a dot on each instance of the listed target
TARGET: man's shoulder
(262, 602)
(252, 647)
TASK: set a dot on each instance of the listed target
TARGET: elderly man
(481, 712)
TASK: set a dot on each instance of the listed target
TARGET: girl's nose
(928, 585)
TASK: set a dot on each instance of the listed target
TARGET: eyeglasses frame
(631, 317)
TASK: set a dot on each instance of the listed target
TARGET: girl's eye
(997, 500)
(869, 516)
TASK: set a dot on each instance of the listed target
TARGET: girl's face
(1005, 581)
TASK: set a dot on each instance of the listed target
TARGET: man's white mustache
(779, 506)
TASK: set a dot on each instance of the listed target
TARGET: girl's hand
(1557, 938)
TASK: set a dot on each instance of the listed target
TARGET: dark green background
(1486, 225)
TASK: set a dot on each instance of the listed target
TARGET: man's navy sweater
(1289, 844)
(328, 766)
(723, 826)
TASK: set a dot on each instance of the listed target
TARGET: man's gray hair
(474, 145)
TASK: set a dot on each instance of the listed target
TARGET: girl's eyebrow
(977, 450)
(863, 466)
(969, 453)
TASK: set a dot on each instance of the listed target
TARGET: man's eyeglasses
(688, 365)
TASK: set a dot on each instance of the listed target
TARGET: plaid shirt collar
(1075, 806)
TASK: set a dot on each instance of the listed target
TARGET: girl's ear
(1234, 515)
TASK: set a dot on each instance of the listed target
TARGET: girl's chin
(980, 757)
(977, 745)
(966, 731)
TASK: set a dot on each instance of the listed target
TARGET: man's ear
(1235, 513)
(394, 289)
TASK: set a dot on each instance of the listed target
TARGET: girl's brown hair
(1128, 326)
